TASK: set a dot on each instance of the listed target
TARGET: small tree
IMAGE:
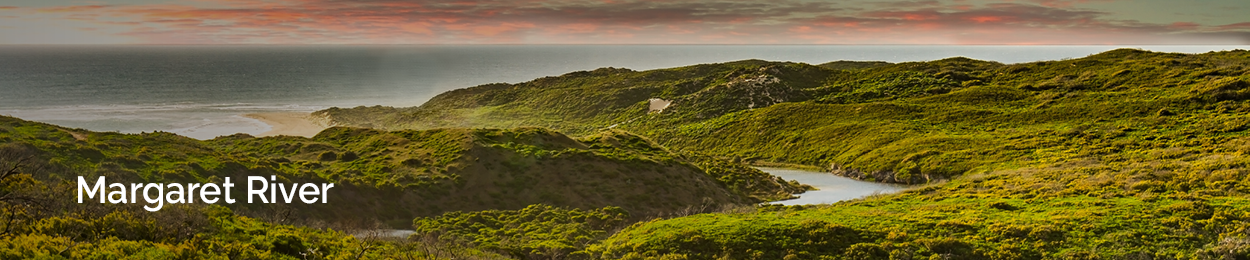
(17, 198)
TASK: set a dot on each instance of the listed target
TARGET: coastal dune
(288, 123)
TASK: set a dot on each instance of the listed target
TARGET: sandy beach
(288, 123)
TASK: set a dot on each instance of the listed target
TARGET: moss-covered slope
(394, 176)
(1126, 154)
(1171, 204)
(908, 122)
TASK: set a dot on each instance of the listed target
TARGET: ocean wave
(199, 121)
(125, 108)
(209, 128)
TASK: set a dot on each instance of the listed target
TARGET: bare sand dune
(288, 123)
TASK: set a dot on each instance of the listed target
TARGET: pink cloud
(70, 9)
(1066, 3)
(574, 28)
(985, 19)
(1184, 25)
(492, 30)
(633, 21)
(1236, 26)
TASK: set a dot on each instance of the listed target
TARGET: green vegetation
(1191, 208)
(383, 177)
(586, 102)
(1122, 155)
(40, 220)
(853, 65)
(424, 173)
(1126, 154)
(909, 122)
(535, 232)
(203, 233)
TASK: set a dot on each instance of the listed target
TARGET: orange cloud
(985, 19)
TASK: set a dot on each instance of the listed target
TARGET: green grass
(422, 172)
(387, 176)
(907, 122)
(198, 232)
(1126, 154)
(534, 232)
(1066, 211)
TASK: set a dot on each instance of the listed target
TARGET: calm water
(833, 188)
(200, 91)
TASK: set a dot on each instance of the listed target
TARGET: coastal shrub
(534, 232)
(1126, 154)
(865, 251)
(348, 156)
(1122, 154)
(867, 119)
(327, 156)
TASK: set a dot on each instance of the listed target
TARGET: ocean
(203, 91)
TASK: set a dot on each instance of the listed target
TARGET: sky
(1009, 22)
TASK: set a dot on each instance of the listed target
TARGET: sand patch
(288, 123)
(77, 136)
(658, 105)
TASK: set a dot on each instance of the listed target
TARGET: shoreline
(287, 123)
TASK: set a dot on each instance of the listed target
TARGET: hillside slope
(1170, 206)
(395, 176)
(911, 122)
(1126, 154)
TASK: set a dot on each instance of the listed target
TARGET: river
(832, 188)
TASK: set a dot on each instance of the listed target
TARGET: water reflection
(833, 188)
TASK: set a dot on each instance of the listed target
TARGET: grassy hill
(908, 122)
(1190, 207)
(1126, 154)
(386, 176)
(421, 172)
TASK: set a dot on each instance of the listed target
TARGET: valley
(1126, 154)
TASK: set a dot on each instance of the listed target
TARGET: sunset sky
(624, 22)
